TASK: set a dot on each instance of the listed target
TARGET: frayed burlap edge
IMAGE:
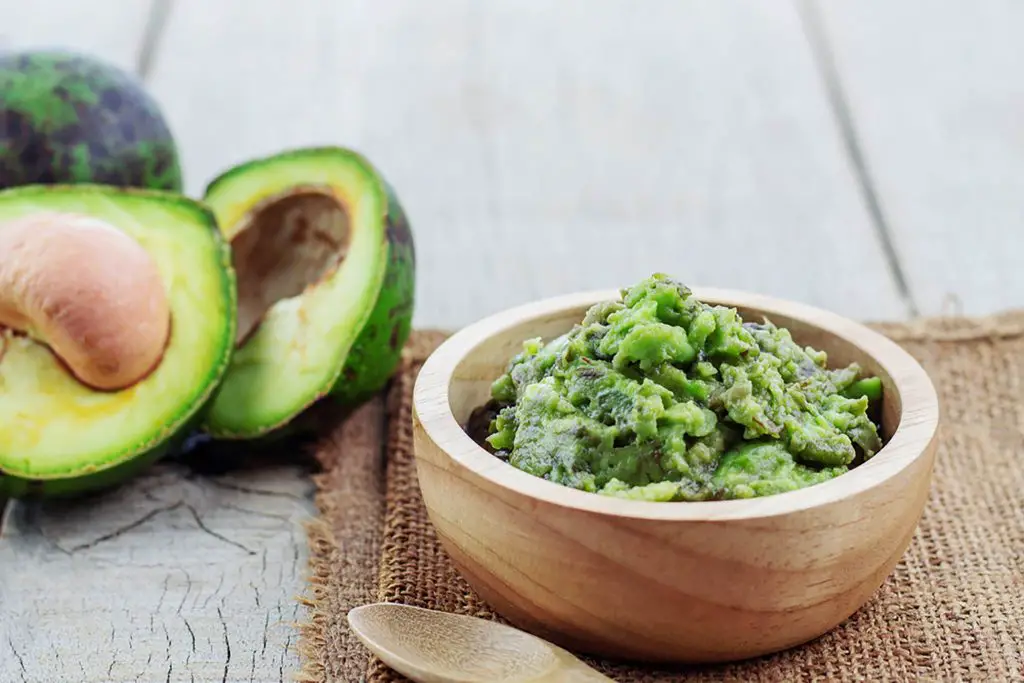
(325, 616)
(312, 640)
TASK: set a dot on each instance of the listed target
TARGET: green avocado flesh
(68, 118)
(326, 270)
(57, 435)
(661, 397)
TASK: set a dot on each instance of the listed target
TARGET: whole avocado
(69, 118)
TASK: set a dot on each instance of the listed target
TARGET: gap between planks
(837, 98)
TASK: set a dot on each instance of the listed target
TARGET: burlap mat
(952, 610)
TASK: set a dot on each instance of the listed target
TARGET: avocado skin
(67, 118)
(375, 355)
(85, 481)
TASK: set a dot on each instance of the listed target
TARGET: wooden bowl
(670, 581)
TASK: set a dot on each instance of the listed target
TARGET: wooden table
(863, 155)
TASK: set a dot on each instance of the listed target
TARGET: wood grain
(935, 94)
(175, 576)
(543, 149)
(703, 581)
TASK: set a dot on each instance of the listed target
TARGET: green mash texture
(662, 397)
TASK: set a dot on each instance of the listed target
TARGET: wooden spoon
(437, 647)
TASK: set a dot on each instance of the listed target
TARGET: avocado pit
(287, 245)
(88, 291)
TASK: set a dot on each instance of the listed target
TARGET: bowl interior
(470, 384)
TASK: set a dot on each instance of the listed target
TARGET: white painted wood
(172, 577)
(109, 29)
(937, 97)
(545, 147)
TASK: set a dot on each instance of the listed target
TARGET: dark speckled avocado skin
(68, 118)
(378, 349)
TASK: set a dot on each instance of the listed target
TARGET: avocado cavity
(286, 246)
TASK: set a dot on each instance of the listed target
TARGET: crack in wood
(280, 671)
(255, 491)
(170, 645)
(113, 659)
(215, 593)
(123, 529)
(163, 594)
(192, 635)
(211, 532)
(257, 513)
(149, 516)
(227, 645)
(266, 626)
(17, 655)
(188, 590)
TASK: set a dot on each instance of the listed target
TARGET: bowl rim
(913, 438)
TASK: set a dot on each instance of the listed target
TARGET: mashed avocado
(662, 397)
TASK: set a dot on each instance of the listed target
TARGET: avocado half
(325, 263)
(59, 436)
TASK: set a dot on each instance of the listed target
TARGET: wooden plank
(543, 149)
(109, 29)
(174, 577)
(936, 98)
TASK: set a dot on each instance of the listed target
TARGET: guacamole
(662, 397)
